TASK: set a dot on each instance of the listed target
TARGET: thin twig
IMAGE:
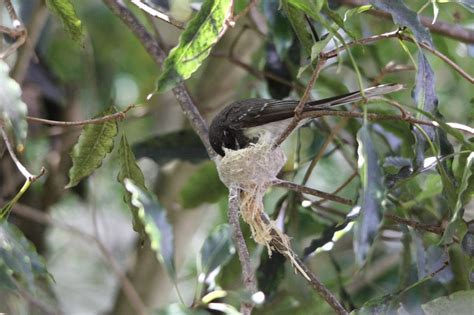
(443, 28)
(416, 225)
(21, 31)
(30, 177)
(115, 116)
(157, 53)
(299, 108)
(153, 12)
(396, 34)
(322, 150)
(312, 191)
(44, 218)
(341, 187)
(242, 251)
(246, 10)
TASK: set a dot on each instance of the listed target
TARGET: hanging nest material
(251, 171)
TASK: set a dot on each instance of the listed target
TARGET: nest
(251, 171)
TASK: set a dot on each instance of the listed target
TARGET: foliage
(404, 245)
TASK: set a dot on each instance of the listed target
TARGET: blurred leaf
(195, 43)
(298, 22)
(203, 186)
(216, 251)
(461, 302)
(467, 243)
(468, 4)
(378, 306)
(66, 12)
(425, 89)
(371, 196)
(12, 108)
(95, 142)
(456, 224)
(129, 169)
(19, 261)
(184, 145)
(277, 67)
(339, 21)
(356, 11)
(279, 26)
(157, 227)
(460, 171)
(403, 16)
(179, 309)
(270, 273)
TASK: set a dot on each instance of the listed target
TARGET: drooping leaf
(130, 169)
(425, 92)
(461, 302)
(195, 43)
(12, 108)
(95, 142)
(216, 251)
(153, 216)
(456, 224)
(66, 12)
(403, 16)
(19, 260)
(203, 186)
(371, 195)
(183, 145)
(298, 22)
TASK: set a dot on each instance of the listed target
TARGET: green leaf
(95, 142)
(130, 169)
(184, 145)
(12, 108)
(299, 24)
(66, 12)
(371, 196)
(153, 216)
(203, 186)
(270, 273)
(461, 302)
(195, 43)
(216, 251)
(19, 261)
(456, 224)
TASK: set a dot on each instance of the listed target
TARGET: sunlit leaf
(183, 145)
(12, 108)
(195, 43)
(157, 227)
(403, 16)
(371, 196)
(95, 142)
(216, 251)
(461, 302)
(129, 169)
(19, 261)
(203, 186)
(66, 12)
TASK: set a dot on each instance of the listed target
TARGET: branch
(443, 28)
(149, 10)
(20, 31)
(28, 176)
(312, 191)
(396, 34)
(299, 108)
(115, 116)
(416, 225)
(242, 251)
(157, 53)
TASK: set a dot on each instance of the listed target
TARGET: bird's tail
(356, 96)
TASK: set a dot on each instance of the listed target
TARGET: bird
(253, 120)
